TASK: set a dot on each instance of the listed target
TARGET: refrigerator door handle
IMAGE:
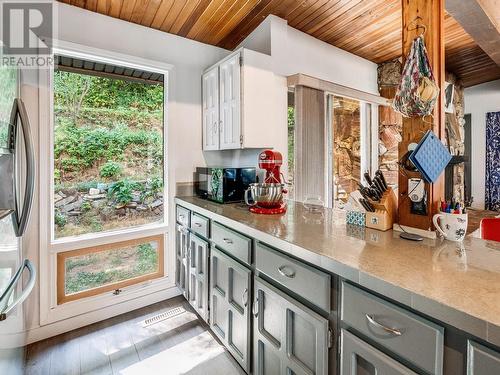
(21, 221)
(5, 308)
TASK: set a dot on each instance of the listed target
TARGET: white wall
(296, 52)
(479, 100)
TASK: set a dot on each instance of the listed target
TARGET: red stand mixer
(267, 197)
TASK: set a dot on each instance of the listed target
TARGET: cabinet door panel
(210, 83)
(293, 341)
(481, 360)
(218, 315)
(360, 358)
(238, 292)
(219, 275)
(269, 362)
(229, 102)
(181, 260)
(229, 314)
(198, 277)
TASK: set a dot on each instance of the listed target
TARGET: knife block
(385, 212)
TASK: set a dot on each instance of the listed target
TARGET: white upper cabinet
(239, 93)
(229, 103)
(211, 109)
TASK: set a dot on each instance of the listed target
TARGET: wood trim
(61, 259)
(334, 88)
(431, 13)
(122, 77)
(478, 24)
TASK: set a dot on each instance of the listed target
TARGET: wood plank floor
(182, 344)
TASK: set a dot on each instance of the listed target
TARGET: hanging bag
(417, 91)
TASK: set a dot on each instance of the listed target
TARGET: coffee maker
(267, 197)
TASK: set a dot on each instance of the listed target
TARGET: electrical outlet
(418, 196)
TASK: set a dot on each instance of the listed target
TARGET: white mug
(452, 226)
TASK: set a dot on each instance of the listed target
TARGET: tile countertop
(458, 284)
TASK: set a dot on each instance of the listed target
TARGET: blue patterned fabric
(492, 198)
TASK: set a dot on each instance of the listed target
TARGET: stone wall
(390, 125)
(390, 122)
(456, 134)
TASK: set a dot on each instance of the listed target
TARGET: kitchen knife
(366, 193)
(382, 178)
(372, 209)
(378, 182)
(375, 194)
(362, 202)
(376, 187)
(368, 179)
(367, 205)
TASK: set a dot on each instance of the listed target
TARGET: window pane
(108, 267)
(108, 149)
(346, 148)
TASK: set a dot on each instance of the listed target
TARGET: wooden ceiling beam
(477, 24)
(430, 14)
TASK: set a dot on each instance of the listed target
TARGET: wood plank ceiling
(367, 28)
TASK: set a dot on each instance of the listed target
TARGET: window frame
(50, 310)
(369, 130)
(62, 297)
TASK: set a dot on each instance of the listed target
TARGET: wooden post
(428, 13)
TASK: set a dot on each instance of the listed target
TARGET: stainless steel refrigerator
(17, 274)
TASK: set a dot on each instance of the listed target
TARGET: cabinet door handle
(197, 225)
(244, 297)
(392, 331)
(215, 127)
(227, 240)
(255, 308)
(290, 275)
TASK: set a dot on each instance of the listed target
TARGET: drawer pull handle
(392, 331)
(227, 240)
(197, 225)
(255, 308)
(244, 297)
(290, 275)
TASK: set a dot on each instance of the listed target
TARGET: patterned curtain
(492, 199)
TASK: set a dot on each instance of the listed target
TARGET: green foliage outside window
(110, 169)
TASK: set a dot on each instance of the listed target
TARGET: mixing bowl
(265, 195)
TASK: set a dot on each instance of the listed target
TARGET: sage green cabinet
(198, 275)
(181, 258)
(230, 290)
(359, 358)
(289, 338)
(482, 360)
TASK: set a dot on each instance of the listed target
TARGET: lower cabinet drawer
(182, 215)
(358, 357)
(403, 333)
(482, 360)
(302, 279)
(200, 225)
(289, 338)
(234, 243)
